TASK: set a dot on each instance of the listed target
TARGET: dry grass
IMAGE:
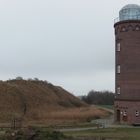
(33, 99)
(74, 115)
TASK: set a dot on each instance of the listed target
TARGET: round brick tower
(127, 50)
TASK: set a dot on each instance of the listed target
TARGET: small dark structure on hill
(16, 123)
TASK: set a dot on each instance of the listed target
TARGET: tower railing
(118, 19)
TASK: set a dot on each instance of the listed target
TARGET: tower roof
(130, 12)
(131, 6)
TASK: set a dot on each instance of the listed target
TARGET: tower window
(118, 68)
(118, 90)
(118, 47)
(125, 113)
(123, 29)
(137, 28)
(137, 113)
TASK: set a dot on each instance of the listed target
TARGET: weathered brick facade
(127, 97)
(127, 110)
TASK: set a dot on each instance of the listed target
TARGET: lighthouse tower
(127, 63)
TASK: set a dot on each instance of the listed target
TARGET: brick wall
(130, 109)
(127, 33)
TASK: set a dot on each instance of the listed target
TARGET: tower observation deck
(129, 12)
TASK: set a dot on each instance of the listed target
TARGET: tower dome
(130, 12)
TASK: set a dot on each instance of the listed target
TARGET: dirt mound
(33, 99)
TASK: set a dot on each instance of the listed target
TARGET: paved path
(76, 129)
(106, 122)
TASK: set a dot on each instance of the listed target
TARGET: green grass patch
(32, 134)
(116, 133)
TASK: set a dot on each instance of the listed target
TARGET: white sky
(66, 42)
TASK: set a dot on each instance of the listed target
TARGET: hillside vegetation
(40, 102)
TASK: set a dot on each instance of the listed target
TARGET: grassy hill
(40, 102)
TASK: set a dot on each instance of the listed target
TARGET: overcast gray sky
(66, 42)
